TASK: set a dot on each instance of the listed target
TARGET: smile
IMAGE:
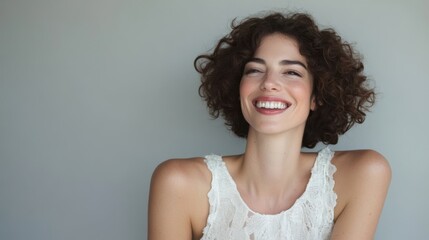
(271, 105)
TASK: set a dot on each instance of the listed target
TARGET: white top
(310, 217)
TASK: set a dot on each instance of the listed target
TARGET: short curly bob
(341, 90)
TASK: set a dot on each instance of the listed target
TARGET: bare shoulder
(359, 173)
(183, 179)
(178, 173)
(362, 180)
(358, 164)
(178, 202)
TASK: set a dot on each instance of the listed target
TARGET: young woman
(282, 84)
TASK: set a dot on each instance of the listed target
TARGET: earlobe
(313, 103)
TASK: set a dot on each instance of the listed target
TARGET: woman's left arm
(366, 179)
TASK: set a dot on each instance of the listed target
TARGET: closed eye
(293, 73)
(252, 71)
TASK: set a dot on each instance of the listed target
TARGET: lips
(270, 105)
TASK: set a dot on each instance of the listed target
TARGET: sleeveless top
(310, 217)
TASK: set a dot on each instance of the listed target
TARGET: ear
(313, 103)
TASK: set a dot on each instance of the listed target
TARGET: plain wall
(94, 94)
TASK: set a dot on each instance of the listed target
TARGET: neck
(271, 162)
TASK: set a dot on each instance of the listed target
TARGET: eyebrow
(282, 62)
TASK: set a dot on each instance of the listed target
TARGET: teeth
(271, 105)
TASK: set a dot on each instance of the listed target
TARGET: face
(276, 87)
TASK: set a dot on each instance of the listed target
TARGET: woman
(282, 84)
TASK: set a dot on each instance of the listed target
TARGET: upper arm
(169, 217)
(368, 178)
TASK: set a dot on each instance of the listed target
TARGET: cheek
(245, 89)
(301, 90)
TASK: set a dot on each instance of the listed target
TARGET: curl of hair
(340, 87)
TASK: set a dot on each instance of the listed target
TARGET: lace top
(310, 217)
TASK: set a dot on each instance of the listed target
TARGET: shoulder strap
(213, 162)
(323, 159)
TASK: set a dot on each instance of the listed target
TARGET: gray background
(94, 94)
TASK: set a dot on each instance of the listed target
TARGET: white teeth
(271, 105)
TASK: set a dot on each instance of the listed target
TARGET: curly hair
(340, 88)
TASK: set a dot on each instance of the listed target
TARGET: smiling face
(276, 87)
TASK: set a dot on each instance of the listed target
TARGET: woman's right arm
(169, 203)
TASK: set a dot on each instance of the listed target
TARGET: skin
(272, 172)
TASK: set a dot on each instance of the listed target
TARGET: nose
(270, 82)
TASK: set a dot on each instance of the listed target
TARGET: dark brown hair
(340, 88)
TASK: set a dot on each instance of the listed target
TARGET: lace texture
(311, 217)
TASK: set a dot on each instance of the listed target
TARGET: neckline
(298, 201)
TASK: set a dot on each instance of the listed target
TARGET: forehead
(278, 45)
